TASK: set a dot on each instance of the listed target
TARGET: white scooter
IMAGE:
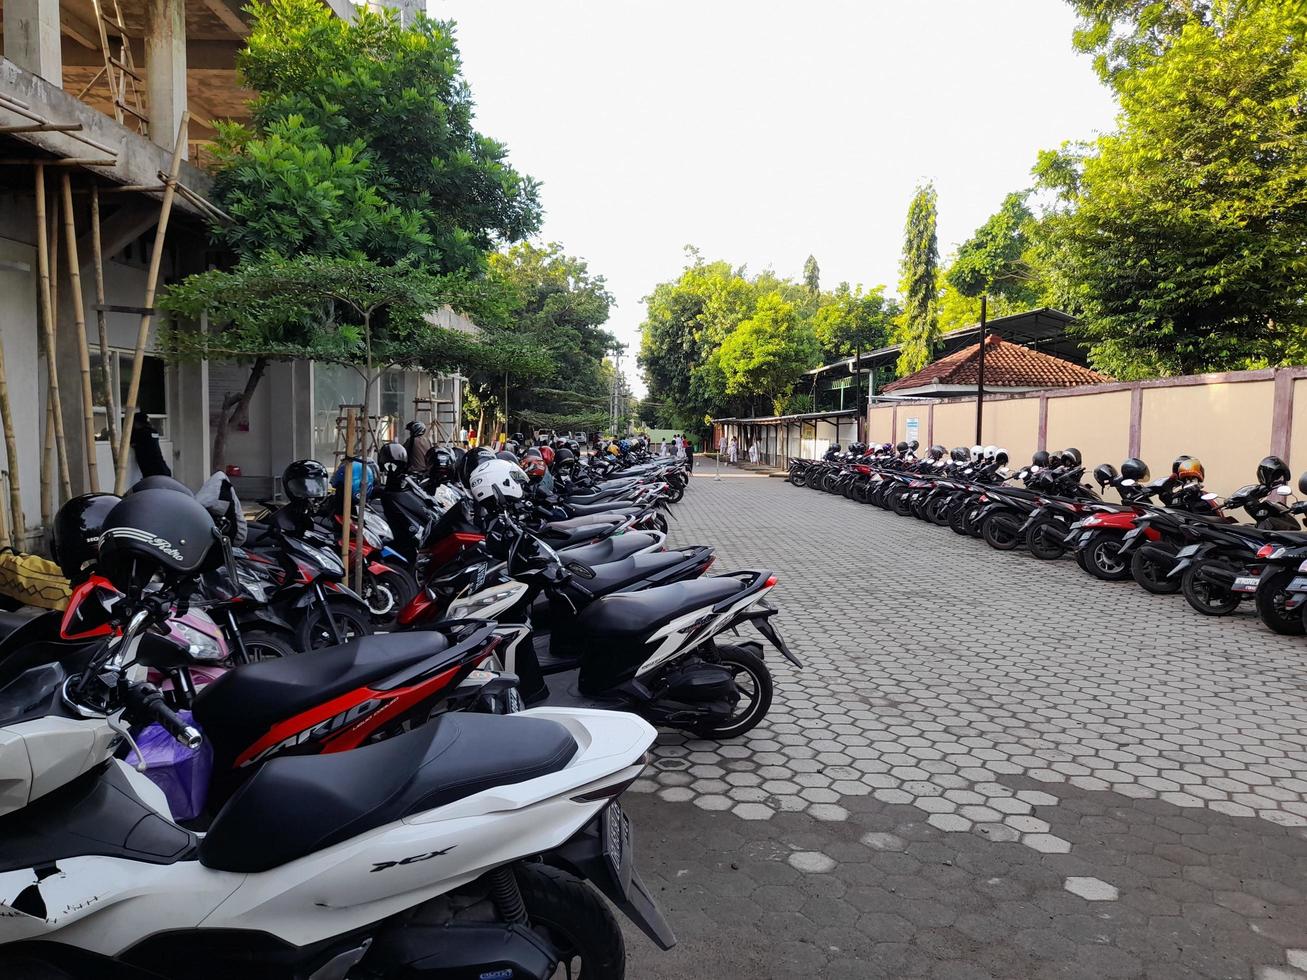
(455, 850)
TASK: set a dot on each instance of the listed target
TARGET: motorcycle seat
(628, 615)
(614, 575)
(585, 520)
(614, 508)
(611, 549)
(297, 805)
(598, 497)
(243, 704)
(583, 534)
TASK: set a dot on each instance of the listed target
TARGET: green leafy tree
(765, 355)
(851, 320)
(1179, 239)
(918, 324)
(556, 304)
(994, 262)
(398, 94)
(812, 275)
(1123, 35)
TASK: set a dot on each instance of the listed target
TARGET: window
(151, 399)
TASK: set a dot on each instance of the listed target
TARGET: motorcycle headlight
(199, 646)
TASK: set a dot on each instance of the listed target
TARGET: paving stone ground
(989, 767)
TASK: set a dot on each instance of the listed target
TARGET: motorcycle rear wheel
(1270, 605)
(754, 681)
(575, 920)
(1152, 575)
(1103, 558)
(1000, 531)
(1046, 540)
(386, 594)
(1204, 596)
(262, 645)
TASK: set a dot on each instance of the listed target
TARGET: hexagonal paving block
(1092, 889)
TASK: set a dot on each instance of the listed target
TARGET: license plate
(1246, 583)
(1077, 525)
(616, 840)
(1299, 584)
(1188, 552)
(1131, 535)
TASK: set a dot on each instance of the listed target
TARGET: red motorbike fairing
(74, 626)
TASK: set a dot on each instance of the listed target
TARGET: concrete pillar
(165, 68)
(32, 37)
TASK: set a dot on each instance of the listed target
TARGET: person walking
(753, 452)
(417, 445)
(733, 451)
(688, 449)
(662, 447)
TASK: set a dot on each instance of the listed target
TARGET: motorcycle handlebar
(146, 701)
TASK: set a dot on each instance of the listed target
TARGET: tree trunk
(233, 407)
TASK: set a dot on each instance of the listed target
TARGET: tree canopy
(1179, 238)
(918, 325)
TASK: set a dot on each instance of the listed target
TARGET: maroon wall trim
(1042, 442)
(1136, 419)
(1282, 416)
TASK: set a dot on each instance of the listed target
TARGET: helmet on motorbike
(531, 451)
(357, 475)
(958, 454)
(547, 454)
(913, 445)
(518, 438)
(1175, 464)
(901, 447)
(1104, 474)
(506, 456)
(1040, 458)
(613, 449)
(534, 467)
(304, 480)
(75, 533)
(1302, 483)
(1135, 469)
(1071, 457)
(416, 428)
(392, 458)
(935, 452)
(470, 461)
(497, 474)
(440, 465)
(1191, 469)
(564, 455)
(156, 531)
(976, 453)
(1000, 457)
(160, 483)
(990, 451)
(1272, 471)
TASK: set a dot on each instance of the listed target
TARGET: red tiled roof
(1006, 366)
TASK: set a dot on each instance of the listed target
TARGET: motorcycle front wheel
(1103, 558)
(387, 593)
(1000, 531)
(314, 633)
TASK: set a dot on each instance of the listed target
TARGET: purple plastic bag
(183, 774)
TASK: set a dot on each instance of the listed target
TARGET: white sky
(762, 131)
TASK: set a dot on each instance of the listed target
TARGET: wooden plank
(118, 308)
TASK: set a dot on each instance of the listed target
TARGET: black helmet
(935, 452)
(835, 447)
(506, 456)
(75, 533)
(156, 531)
(518, 438)
(533, 451)
(1272, 472)
(416, 428)
(1040, 458)
(960, 454)
(914, 445)
(471, 460)
(1135, 469)
(392, 458)
(1071, 457)
(160, 483)
(305, 480)
(1105, 473)
(1175, 464)
(1302, 483)
(440, 465)
(902, 447)
(1000, 457)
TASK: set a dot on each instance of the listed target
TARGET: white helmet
(499, 474)
(990, 451)
(976, 453)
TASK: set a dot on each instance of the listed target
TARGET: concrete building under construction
(94, 97)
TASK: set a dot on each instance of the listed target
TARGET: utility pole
(980, 379)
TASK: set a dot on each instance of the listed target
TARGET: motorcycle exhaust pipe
(1155, 552)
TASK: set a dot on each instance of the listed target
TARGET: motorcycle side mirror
(1209, 496)
(1127, 482)
(1284, 490)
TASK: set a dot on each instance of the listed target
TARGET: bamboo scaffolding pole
(151, 283)
(79, 321)
(43, 260)
(46, 450)
(20, 108)
(347, 488)
(11, 454)
(102, 325)
(5, 540)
